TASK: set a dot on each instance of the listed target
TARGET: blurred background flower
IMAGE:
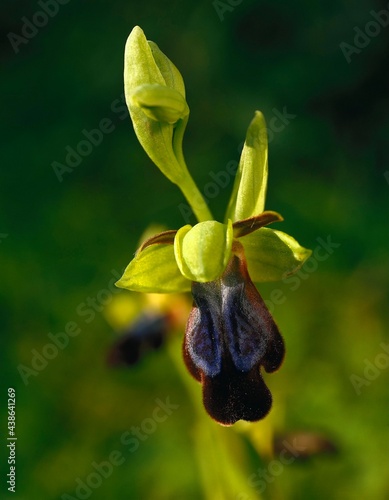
(77, 191)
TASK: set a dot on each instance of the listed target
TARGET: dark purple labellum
(230, 334)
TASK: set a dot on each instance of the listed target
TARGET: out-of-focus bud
(146, 334)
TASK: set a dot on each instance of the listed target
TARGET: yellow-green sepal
(203, 251)
(168, 70)
(154, 270)
(272, 255)
(249, 191)
(140, 66)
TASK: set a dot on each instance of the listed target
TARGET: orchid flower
(230, 334)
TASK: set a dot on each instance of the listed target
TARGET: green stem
(195, 199)
(178, 137)
(214, 446)
(188, 186)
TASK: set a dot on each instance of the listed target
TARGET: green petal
(248, 195)
(154, 270)
(160, 103)
(165, 237)
(247, 226)
(272, 255)
(202, 252)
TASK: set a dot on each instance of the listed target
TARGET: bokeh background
(62, 243)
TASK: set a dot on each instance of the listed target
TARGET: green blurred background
(60, 241)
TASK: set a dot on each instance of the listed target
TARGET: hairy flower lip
(234, 395)
(230, 334)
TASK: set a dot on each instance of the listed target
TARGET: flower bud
(155, 96)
